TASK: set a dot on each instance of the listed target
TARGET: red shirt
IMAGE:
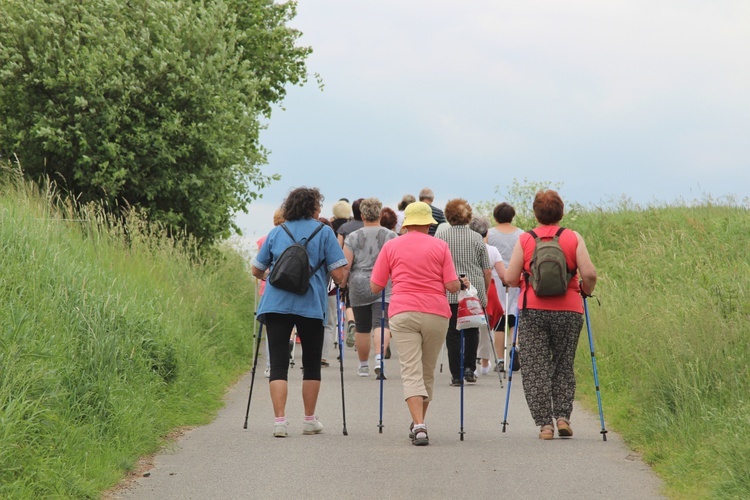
(571, 301)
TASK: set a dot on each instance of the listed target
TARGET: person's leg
(310, 332)
(484, 348)
(377, 309)
(278, 327)
(407, 339)
(567, 330)
(363, 325)
(536, 361)
(330, 328)
(433, 335)
(453, 344)
(471, 343)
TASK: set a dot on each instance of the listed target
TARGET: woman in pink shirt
(421, 269)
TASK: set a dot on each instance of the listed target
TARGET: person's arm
(500, 270)
(340, 237)
(453, 286)
(261, 275)
(487, 279)
(340, 275)
(585, 267)
(350, 259)
(515, 266)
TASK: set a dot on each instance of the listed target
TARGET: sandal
(420, 437)
(563, 428)
(547, 432)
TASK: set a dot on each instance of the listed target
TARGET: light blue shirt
(324, 247)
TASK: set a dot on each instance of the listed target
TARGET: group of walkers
(399, 275)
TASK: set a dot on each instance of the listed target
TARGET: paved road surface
(224, 461)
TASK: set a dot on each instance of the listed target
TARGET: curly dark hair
(302, 203)
(458, 212)
(388, 218)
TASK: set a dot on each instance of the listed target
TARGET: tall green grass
(672, 340)
(109, 339)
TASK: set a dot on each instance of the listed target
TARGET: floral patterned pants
(547, 353)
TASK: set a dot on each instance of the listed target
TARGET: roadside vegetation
(109, 339)
(672, 339)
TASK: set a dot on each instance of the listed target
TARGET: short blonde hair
(342, 210)
(370, 209)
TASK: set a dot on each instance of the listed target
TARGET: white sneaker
(280, 430)
(267, 372)
(363, 371)
(484, 370)
(312, 427)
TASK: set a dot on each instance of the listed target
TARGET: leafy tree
(149, 103)
(521, 196)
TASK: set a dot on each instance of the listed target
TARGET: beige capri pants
(418, 338)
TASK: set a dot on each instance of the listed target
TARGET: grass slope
(105, 347)
(672, 341)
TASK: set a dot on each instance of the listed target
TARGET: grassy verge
(105, 346)
(672, 341)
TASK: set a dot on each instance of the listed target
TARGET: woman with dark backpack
(550, 322)
(281, 310)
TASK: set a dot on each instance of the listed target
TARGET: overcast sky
(644, 99)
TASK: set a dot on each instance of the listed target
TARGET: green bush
(147, 103)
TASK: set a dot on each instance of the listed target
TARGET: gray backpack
(548, 270)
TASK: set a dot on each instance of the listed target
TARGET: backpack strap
(317, 230)
(307, 240)
(283, 226)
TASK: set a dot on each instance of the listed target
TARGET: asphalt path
(224, 461)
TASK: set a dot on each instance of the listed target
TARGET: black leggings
(310, 333)
(453, 343)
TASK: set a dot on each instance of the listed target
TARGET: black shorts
(367, 318)
(511, 322)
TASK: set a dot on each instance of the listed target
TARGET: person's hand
(580, 289)
(465, 283)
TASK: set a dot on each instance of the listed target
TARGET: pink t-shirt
(419, 266)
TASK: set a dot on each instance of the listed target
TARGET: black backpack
(292, 270)
(549, 275)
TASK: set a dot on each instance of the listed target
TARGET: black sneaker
(420, 437)
(379, 375)
(455, 382)
(469, 376)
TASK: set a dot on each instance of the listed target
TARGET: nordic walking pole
(461, 431)
(252, 376)
(491, 333)
(507, 329)
(340, 332)
(510, 366)
(442, 348)
(593, 364)
(382, 353)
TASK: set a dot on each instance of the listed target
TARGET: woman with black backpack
(284, 306)
(551, 312)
